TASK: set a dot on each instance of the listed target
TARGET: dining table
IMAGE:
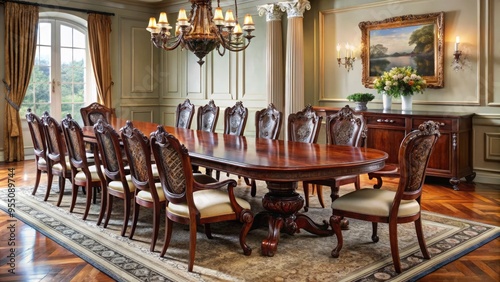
(281, 164)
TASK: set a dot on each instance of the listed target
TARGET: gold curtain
(21, 25)
(99, 29)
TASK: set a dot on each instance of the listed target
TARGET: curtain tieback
(11, 103)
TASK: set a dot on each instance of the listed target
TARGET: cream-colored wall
(149, 83)
(474, 90)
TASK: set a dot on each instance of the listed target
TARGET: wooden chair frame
(414, 154)
(138, 153)
(346, 127)
(56, 154)
(35, 126)
(304, 126)
(93, 179)
(110, 150)
(179, 187)
(184, 114)
(95, 111)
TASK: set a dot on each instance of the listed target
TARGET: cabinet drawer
(386, 121)
(444, 124)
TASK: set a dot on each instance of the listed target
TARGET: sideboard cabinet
(452, 155)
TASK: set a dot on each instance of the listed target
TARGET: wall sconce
(459, 59)
(348, 59)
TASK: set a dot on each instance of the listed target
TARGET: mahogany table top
(264, 159)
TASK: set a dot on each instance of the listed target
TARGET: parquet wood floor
(40, 259)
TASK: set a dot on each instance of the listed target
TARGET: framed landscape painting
(410, 40)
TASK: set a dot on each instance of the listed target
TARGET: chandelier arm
(223, 50)
(234, 47)
(163, 43)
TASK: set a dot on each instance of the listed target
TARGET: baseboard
(487, 178)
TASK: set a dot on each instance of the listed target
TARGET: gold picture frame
(389, 43)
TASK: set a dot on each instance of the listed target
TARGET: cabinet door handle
(385, 120)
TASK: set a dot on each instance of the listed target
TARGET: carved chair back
(235, 119)
(93, 112)
(304, 126)
(207, 117)
(108, 144)
(35, 126)
(346, 127)
(414, 154)
(184, 114)
(174, 167)
(268, 122)
(56, 145)
(75, 145)
(138, 153)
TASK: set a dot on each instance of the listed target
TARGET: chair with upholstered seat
(235, 120)
(304, 126)
(347, 128)
(207, 117)
(392, 207)
(39, 147)
(118, 178)
(268, 126)
(148, 192)
(95, 111)
(82, 172)
(184, 114)
(190, 202)
(57, 158)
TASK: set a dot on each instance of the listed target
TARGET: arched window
(62, 80)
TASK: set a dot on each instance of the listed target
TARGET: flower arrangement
(400, 81)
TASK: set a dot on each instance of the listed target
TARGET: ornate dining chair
(184, 114)
(267, 125)
(190, 202)
(304, 126)
(117, 177)
(235, 120)
(35, 126)
(268, 122)
(348, 128)
(57, 158)
(95, 111)
(148, 192)
(392, 207)
(90, 115)
(82, 172)
(207, 117)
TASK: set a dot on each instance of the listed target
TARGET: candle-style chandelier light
(203, 31)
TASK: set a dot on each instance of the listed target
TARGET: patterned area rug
(301, 257)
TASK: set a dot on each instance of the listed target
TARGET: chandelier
(203, 31)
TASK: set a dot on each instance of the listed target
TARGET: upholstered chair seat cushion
(59, 166)
(374, 202)
(80, 176)
(146, 195)
(154, 169)
(210, 203)
(42, 161)
(118, 185)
